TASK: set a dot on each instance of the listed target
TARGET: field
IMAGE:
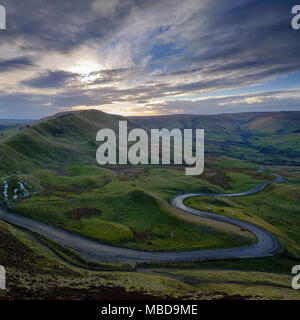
(125, 208)
(275, 209)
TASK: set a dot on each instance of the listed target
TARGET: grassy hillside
(266, 138)
(8, 127)
(35, 272)
(275, 209)
(57, 140)
(128, 208)
(48, 173)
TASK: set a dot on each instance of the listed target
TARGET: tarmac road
(267, 244)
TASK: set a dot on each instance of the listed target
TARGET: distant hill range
(262, 137)
(265, 138)
(9, 121)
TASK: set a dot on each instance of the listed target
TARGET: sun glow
(84, 67)
(86, 70)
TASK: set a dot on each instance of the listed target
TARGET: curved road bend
(266, 245)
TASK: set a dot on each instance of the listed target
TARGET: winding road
(267, 244)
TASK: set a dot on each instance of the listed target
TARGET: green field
(132, 207)
(275, 209)
(129, 207)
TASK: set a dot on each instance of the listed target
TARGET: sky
(148, 57)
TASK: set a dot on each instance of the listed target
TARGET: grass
(275, 209)
(134, 220)
(6, 129)
(101, 230)
(130, 214)
(71, 281)
(26, 254)
(278, 264)
(241, 182)
(288, 142)
(130, 203)
(251, 285)
(236, 277)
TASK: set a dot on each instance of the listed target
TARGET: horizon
(160, 115)
(140, 58)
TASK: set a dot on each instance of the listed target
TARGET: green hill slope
(63, 138)
(266, 138)
(261, 137)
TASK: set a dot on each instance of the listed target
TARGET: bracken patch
(79, 213)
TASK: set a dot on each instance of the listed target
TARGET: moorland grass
(127, 209)
(276, 209)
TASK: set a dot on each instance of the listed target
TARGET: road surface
(267, 244)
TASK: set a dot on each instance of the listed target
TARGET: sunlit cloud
(148, 57)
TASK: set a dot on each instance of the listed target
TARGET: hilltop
(56, 140)
(265, 138)
(271, 122)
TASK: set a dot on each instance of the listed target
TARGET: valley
(49, 174)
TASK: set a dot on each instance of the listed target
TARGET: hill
(56, 140)
(48, 173)
(264, 138)
(261, 137)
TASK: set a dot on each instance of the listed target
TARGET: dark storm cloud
(25, 106)
(57, 24)
(15, 63)
(244, 36)
(50, 79)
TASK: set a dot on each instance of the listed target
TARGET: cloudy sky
(148, 57)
